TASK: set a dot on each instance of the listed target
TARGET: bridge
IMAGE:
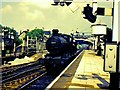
(85, 41)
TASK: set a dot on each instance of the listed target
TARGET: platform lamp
(98, 30)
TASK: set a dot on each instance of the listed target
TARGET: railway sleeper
(10, 86)
(23, 79)
(16, 83)
(30, 77)
(20, 81)
(13, 84)
(7, 88)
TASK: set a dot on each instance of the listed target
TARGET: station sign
(110, 62)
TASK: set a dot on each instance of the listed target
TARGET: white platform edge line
(56, 79)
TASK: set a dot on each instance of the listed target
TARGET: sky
(28, 14)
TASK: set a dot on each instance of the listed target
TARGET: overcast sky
(28, 15)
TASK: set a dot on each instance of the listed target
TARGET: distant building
(83, 35)
(7, 42)
(31, 44)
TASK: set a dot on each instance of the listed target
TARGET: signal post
(115, 62)
(112, 49)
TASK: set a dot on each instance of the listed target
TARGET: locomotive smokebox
(55, 32)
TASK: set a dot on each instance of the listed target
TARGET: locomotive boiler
(61, 48)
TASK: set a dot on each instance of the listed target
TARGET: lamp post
(23, 47)
(1, 42)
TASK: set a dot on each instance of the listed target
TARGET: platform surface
(89, 74)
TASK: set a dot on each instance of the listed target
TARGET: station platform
(85, 73)
(89, 74)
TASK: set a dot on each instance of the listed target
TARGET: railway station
(60, 44)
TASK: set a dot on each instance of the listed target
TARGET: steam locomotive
(61, 48)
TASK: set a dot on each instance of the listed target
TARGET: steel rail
(33, 80)
(19, 67)
(18, 74)
(14, 73)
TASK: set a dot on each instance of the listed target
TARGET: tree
(39, 33)
(15, 34)
(16, 37)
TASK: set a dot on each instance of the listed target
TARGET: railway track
(12, 69)
(42, 82)
(39, 82)
(29, 77)
(21, 73)
(15, 84)
(12, 79)
(36, 80)
(15, 67)
(9, 72)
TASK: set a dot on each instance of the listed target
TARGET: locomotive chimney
(55, 32)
